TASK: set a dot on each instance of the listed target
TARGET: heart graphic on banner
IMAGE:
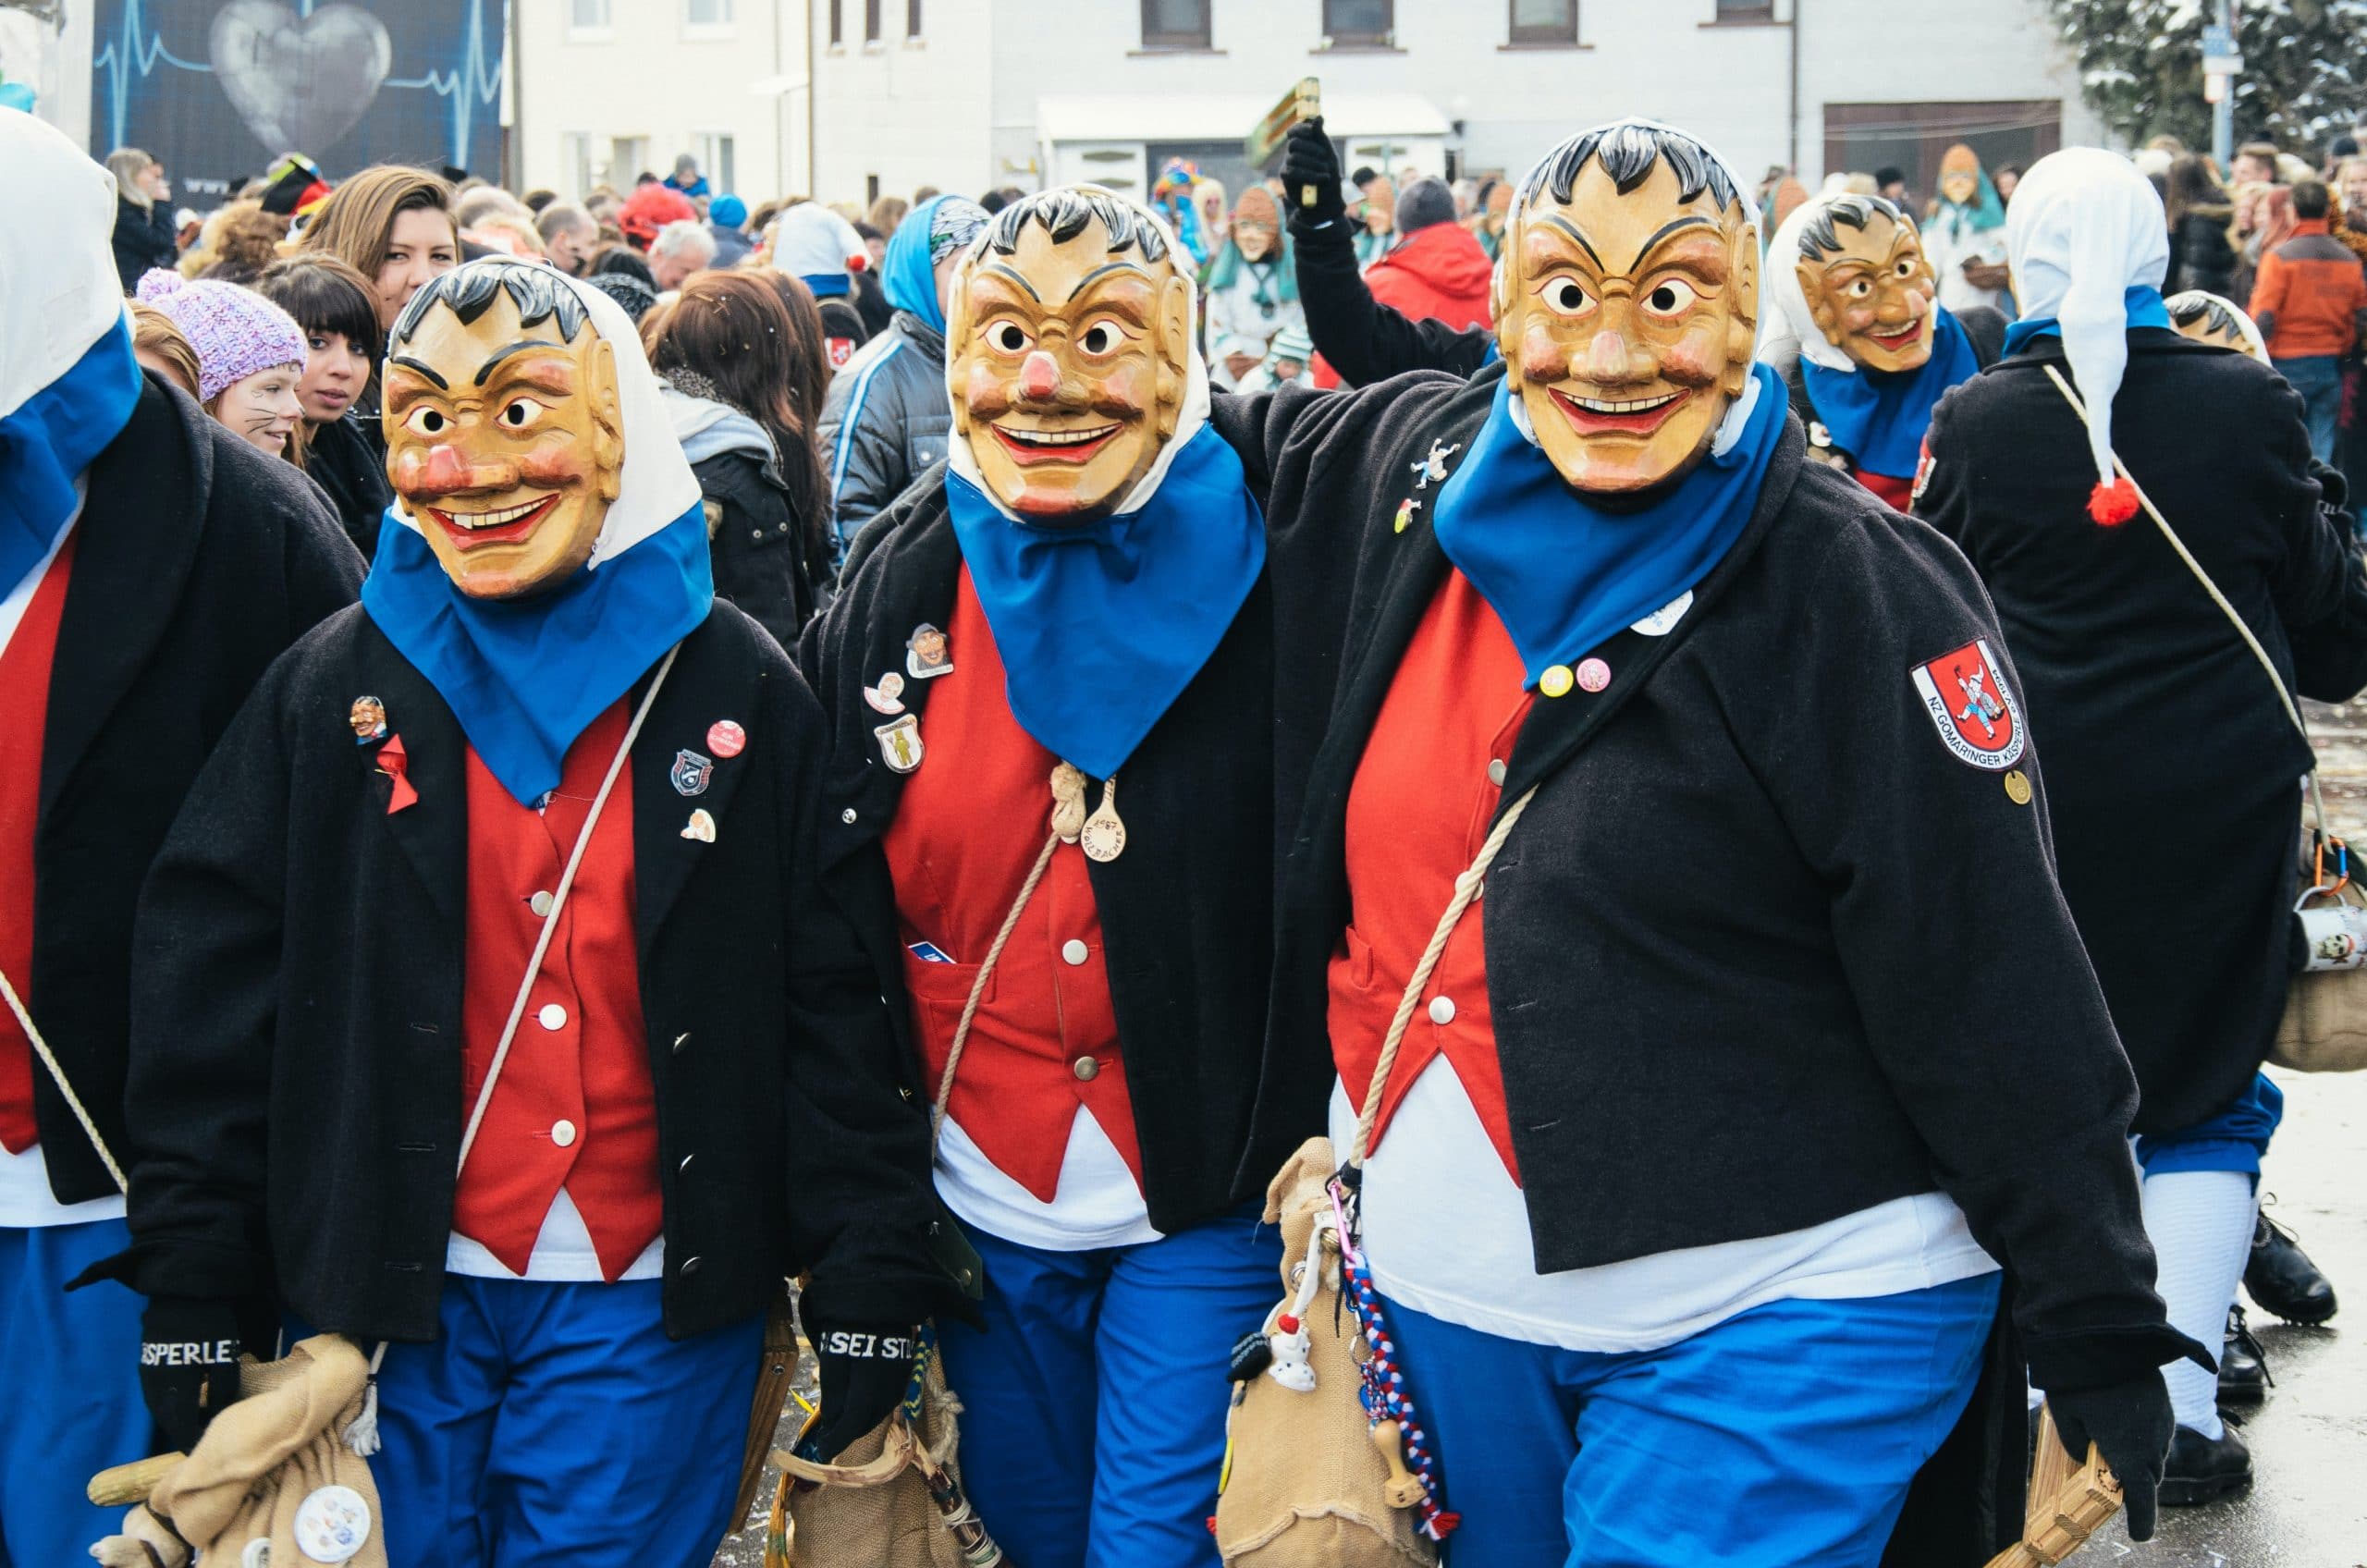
(300, 82)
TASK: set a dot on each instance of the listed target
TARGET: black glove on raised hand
(1310, 164)
(865, 1374)
(2131, 1424)
(189, 1364)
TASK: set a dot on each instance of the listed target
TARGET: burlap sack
(1302, 1487)
(871, 1508)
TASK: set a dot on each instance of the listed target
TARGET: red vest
(1896, 491)
(971, 825)
(575, 1106)
(24, 718)
(1424, 798)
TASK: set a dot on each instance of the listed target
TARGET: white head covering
(1188, 419)
(812, 242)
(657, 484)
(1738, 415)
(2085, 227)
(1781, 297)
(59, 293)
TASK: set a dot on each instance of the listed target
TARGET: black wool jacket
(348, 460)
(296, 1096)
(1762, 953)
(1984, 328)
(757, 542)
(197, 560)
(2172, 765)
(1187, 911)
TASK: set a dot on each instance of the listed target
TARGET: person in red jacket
(1438, 271)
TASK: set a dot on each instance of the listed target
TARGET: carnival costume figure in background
(151, 564)
(1172, 199)
(1966, 227)
(1868, 351)
(1073, 682)
(1252, 285)
(2163, 727)
(1579, 576)
(538, 724)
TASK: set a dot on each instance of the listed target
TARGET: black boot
(2200, 1468)
(2244, 1366)
(2282, 1278)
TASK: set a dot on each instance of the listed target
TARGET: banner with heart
(298, 82)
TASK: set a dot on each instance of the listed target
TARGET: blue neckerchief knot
(50, 439)
(1102, 625)
(1880, 417)
(1564, 573)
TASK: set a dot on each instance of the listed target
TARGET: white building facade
(604, 90)
(972, 94)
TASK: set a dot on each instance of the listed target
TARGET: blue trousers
(556, 1423)
(2233, 1139)
(1093, 1426)
(1784, 1438)
(2318, 378)
(73, 1402)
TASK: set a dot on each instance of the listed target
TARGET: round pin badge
(2017, 786)
(726, 738)
(257, 1553)
(332, 1523)
(1593, 675)
(1555, 682)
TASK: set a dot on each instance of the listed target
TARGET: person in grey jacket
(886, 417)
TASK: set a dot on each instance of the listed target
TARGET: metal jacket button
(1087, 1069)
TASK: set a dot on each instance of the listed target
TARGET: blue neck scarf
(1562, 574)
(526, 676)
(2142, 301)
(1101, 625)
(1879, 417)
(826, 285)
(50, 439)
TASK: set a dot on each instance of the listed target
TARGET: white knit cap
(2085, 227)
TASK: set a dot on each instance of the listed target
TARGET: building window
(911, 19)
(871, 21)
(575, 150)
(706, 16)
(1545, 22)
(627, 161)
(1350, 24)
(1913, 137)
(1175, 24)
(838, 24)
(1745, 10)
(713, 148)
(587, 17)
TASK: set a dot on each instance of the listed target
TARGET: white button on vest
(553, 1016)
(1072, 951)
(1496, 772)
(541, 904)
(1442, 1009)
(562, 1132)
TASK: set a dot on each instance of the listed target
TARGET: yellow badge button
(2017, 786)
(1556, 681)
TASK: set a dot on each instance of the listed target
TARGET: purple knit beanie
(235, 331)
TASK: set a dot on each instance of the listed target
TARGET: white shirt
(26, 1202)
(1097, 1204)
(1446, 1233)
(563, 1253)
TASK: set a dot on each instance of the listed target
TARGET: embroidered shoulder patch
(1964, 692)
(1922, 475)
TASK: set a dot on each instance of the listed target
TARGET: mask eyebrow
(428, 371)
(1558, 221)
(502, 353)
(998, 270)
(1665, 230)
(1085, 282)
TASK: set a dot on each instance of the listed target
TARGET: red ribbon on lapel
(396, 764)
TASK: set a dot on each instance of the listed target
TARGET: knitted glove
(189, 1364)
(865, 1374)
(1310, 164)
(2131, 1424)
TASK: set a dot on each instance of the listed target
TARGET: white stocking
(2200, 1223)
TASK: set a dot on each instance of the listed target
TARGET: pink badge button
(1593, 675)
(726, 738)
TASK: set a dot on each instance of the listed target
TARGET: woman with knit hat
(250, 356)
(2171, 767)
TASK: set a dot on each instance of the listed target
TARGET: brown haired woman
(339, 311)
(394, 226)
(743, 378)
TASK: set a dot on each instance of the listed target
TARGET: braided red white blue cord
(1382, 1392)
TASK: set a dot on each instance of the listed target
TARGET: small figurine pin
(368, 716)
(700, 826)
(1434, 466)
(1290, 1366)
(887, 696)
(1405, 510)
(928, 653)
(899, 744)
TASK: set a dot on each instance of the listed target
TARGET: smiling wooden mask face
(1068, 362)
(1627, 322)
(505, 442)
(1871, 297)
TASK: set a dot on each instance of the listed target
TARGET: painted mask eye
(1007, 336)
(1563, 297)
(1906, 267)
(1100, 339)
(520, 414)
(1861, 288)
(1669, 297)
(425, 420)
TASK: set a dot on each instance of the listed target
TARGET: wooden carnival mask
(1068, 344)
(505, 438)
(1960, 176)
(1627, 305)
(2207, 318)
(1869, 284)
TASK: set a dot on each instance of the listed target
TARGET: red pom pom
(1287, 1323)
(2112, 505)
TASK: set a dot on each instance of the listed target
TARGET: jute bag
(1334, 1470)
(2325, 1026)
